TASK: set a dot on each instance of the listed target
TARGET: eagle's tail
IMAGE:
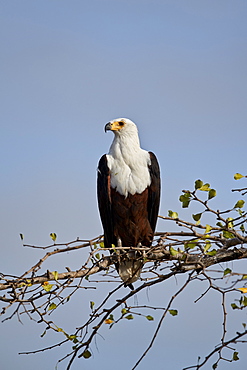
(129, 271)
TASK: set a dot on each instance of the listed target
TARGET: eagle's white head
(128, 163)
(122, 127)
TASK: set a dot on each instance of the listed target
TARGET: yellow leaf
(47, 287)
(238, 176)
(207, 247)
(172, 214)
(53, 236)
(208, 228)
(205, 187)
(211, 193)
(86, 354)
(173, 251)
(243, 290)
(52, 307)
(21, 285)
(108, 321)
(55, 274)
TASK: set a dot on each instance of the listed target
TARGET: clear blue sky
(176, 68)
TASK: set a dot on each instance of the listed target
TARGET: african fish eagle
(128, 189)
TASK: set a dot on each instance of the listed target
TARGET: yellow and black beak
(114, 126)
(108, 126)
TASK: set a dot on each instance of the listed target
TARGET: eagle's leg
(119, 245)
(128, 268)
(133, 254)
(119, 242)
(119, 251)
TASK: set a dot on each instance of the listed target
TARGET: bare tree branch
(190, 251)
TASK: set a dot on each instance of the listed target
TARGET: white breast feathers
(128, 166)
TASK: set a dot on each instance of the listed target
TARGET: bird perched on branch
(128, 188)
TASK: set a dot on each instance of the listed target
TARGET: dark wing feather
(153, 191)
(104, 201)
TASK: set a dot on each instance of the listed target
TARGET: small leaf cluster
(187, 195)
(127, 314)
(242, 302)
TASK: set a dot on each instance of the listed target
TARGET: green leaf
(47, 287)
(234, 306)
(235, 356)
(173, 251)
(240, 203)
(198, 184)
(227, 234)
(197, 216)
(242, 228)
(73, 338)
(102, 245)
(244, 301)
(97, 255)
(212, 253)
(185, 199)
(227, 271)
(208, 229)
(211, 193)
(28, 282)
(21, 285)
(173, 312)
(86, 354)
(207, 247)
(129, 317)
(205, 187)
(124, 311)
(21, 236)
(190, 245)
(52, 306)
(186, 204)
(215, 365)
(149, 317)
(92, 305)
(220, 224)
(172, 214)
(53, 236)
(238, 176)
(229, 222)
(240, 211)
(244, 277)
(55, 274)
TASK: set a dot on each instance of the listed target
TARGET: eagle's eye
(121, 123)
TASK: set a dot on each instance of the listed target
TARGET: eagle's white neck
(128, 163)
